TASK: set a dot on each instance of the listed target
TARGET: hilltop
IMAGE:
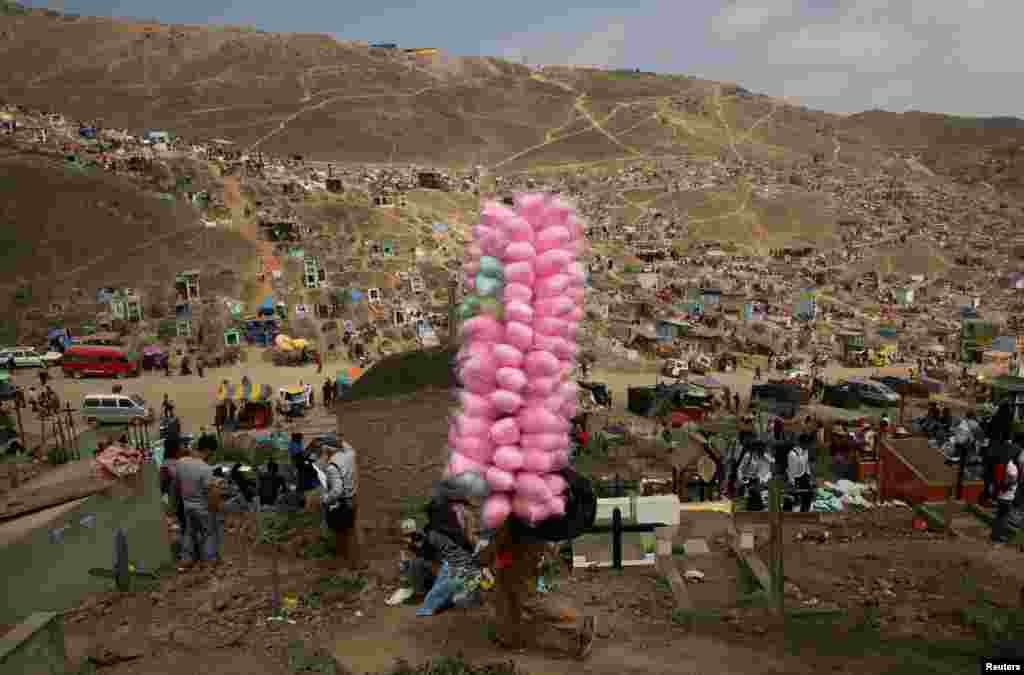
(311, 95)
(675, 159)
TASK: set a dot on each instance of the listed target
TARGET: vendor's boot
(587, 635)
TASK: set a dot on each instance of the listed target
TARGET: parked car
(51, 359)
(115, 408)
(874, 393)
(777, 397)
(86, 360)
(904, 386)
(21, 357)
(675, 368)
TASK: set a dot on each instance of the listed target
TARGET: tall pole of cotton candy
(558, 308)
(469, 433)
(534, 398)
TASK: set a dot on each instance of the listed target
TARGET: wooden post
(74, 431)
(950, 503)
(777, 575)
(881, 468)
(58, 434)
(453, 311)
(21, 425)
(275, 579)
(42, 432)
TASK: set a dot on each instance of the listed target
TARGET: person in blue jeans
(204, 527)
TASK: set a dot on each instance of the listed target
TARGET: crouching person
(525, 618)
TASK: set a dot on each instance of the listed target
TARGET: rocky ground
(889, 578)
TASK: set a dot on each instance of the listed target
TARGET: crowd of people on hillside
(449, 562)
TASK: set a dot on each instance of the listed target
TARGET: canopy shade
(260, 393)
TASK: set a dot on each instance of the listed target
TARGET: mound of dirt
(407, 373)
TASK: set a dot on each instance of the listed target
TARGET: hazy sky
(955, 56)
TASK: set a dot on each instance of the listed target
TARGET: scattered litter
(843, 495)
(400, 596)
(724, 506)
(116, 462)
(282, 619)
(696, 547)
(694, 576)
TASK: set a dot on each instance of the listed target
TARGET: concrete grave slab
(696, 547)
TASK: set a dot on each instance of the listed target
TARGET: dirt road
(248, 229)
(741, 381)
(193, 397)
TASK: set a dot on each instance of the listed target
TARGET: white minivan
(115, 408)
(21, 357)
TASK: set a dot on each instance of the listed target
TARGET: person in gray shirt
(204, 529)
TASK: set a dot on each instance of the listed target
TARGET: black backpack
(442, 519)
(580, 514)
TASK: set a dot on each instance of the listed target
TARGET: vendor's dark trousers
(1001, 524)
(525, 619)
(346, 543)
(755, 502)
(805, 494)
(987, 493)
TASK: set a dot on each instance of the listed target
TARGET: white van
(21, 357)
(115, 408)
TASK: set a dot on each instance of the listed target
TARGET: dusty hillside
(63, 226)
(311, 95)
(969, 150)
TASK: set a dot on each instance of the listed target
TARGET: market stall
(154, 358)
(254, 404)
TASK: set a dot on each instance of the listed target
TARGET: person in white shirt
(755, 471)
(798, 471)
(1006, 492)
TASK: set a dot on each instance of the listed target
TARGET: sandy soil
(194, 397)
(202, 620)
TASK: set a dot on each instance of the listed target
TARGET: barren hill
(311, 95)
(64, 226)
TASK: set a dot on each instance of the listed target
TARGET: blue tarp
(58, 338)
(261, 331)
(440, 228)
(356, 295)
(267, 308)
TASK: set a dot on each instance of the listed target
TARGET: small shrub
(278, 528)
(229, 456)
(345, 584)
(303, 659)
(454, 665)
(320, 549)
